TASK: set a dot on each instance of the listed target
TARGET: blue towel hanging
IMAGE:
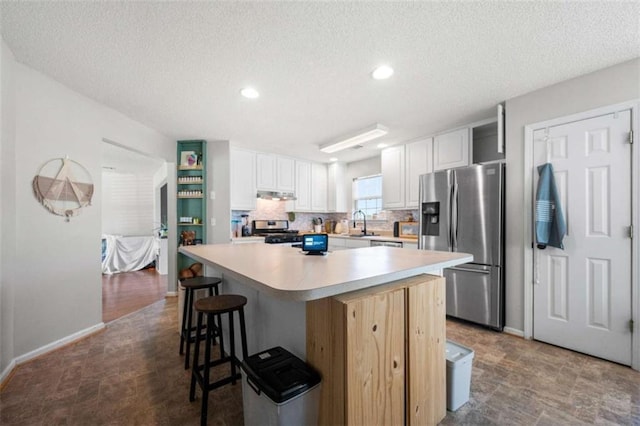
(550, 225)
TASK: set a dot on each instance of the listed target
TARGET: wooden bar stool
(212, 307)
(186, 330)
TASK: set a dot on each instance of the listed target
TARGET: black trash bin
(279, 388)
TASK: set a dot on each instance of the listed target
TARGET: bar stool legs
(201, 372)
(186, 337)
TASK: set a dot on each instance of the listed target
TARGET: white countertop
(286, 273)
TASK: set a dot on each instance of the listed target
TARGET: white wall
(59, 288)
(7, 206)
(604, 87)
(219, 181)
(128, 204)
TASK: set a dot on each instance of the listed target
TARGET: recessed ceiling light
(382, 145)
(249, 92)
(382, 72)
(332, 159)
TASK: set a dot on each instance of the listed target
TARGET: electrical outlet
(213, 221)
(212, 195)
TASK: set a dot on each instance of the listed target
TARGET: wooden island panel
(362, 343)
(426, 353)
(374, 345)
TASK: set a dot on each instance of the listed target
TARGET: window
(367, 195)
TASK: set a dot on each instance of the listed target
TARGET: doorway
(134, 264)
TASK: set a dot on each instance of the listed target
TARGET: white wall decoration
(63, 187)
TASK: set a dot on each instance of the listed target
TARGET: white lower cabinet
(343, 243)
(337, 244)
(356, 242)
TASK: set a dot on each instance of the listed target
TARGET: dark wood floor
(131, 374)
(128, 292)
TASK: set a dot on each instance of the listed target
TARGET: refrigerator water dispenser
(431, 218)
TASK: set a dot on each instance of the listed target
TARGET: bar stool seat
(190, 285)
(215, 306)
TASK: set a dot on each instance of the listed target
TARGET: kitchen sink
(362, 235)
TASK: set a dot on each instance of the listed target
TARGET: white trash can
(459, 360)
(279, 389)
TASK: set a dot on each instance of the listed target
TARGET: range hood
(276, 195)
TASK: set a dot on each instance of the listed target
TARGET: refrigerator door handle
(450, 219)
(454, 216)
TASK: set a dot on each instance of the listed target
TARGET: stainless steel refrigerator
(462, 210)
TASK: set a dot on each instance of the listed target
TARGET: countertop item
(286, 273)
(338, 228)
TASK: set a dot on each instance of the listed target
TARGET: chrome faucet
(364, 221)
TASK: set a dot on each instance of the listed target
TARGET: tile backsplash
(268, 209)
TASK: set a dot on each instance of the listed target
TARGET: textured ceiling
(178, 67)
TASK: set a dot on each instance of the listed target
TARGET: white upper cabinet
(310, 188)
(393, 177)
(418, 161)
(451, 150)
(318, 187)
(285, 174)
(401, 167)
(265, 172)
(274, 173)
(302, 188)
(243, 179)
(336, 190)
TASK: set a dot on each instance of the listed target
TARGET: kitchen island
(301, 303)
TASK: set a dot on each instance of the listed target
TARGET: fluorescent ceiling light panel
(360, 137)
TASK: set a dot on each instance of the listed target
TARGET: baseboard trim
(514, 331)
(7, 373)
(171, 294)
(48, 348)
(58, 343)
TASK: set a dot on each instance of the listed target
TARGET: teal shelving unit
(191, 197)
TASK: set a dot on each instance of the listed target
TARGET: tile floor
(131, 374)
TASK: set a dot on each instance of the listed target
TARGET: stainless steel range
(275, 231)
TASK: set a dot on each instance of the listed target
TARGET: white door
(582, 294)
